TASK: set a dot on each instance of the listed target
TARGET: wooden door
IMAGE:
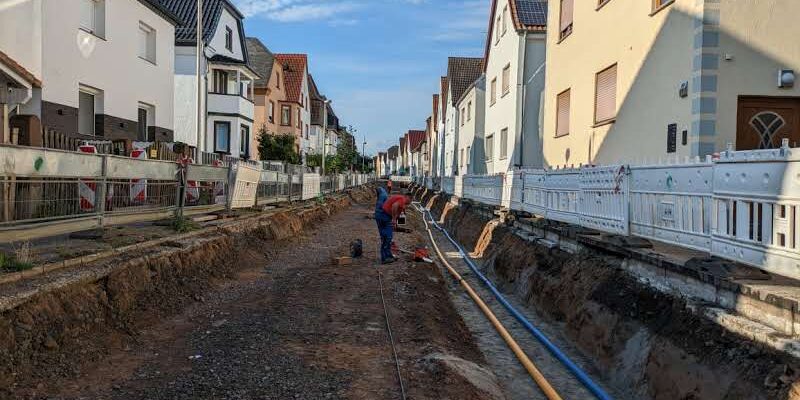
(763, 122)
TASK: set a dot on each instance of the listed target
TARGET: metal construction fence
(45, 191)
(743, 206)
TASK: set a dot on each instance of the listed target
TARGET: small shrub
(10, 263)
(184, 225)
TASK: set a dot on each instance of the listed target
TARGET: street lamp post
(363, 159)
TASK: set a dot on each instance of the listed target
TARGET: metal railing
(743, 206)
(46, 191)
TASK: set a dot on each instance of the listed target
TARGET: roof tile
(461, 73)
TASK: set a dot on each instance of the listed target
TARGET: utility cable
(391, 339)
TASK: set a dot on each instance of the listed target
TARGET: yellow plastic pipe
(526, 362)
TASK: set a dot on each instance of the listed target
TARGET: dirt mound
(71, 316)
(480, 378)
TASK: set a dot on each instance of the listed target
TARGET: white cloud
(295, 10)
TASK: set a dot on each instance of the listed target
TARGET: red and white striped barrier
(87, 187)
(138, 191)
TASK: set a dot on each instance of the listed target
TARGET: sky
(379, 61)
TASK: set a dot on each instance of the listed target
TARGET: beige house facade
(695, 76)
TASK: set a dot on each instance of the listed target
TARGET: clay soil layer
(289, 324)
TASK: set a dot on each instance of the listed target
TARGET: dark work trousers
(385, 228)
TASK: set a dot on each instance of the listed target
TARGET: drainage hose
(576, 371)
(534, 372)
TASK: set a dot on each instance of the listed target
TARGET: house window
(278, 80)
(147, 43)
(299, 120)
(306, 131)
(86, 112)
(222, 137)
(271, 115)
(469, 111)
(562, 113)
(565, 25)
(469, 154)
(493, 97)
(497, 31)
(605, 100)
(506, 79)
(490, 147)
(504, 143)
(660, 4)
(461, 157)
(220, 81)
(463, 115)
(146, 119)
(228, 38)
(93, 16)
(286, 115)
(505, 11)
(244, 145)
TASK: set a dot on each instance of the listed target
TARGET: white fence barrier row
(673, 203)
(604, 199)
(563, 191)
(485, 189)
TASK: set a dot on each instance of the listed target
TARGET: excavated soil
(255, 311)
(645, 343)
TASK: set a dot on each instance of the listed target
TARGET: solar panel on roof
(532, 12)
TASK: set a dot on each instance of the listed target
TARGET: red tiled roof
(294, 71)
(436, 113)
(415, 139)
(443, 99)
(20, 70)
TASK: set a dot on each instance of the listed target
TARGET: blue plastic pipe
(555, 351)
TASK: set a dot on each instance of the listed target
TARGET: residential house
(381, 168)
(319, 108)
(295, 116)
(471, 133)
(392, 154)
(86, 71)
(227, 84)
(441, 124)
(461, 73)
(403, 156)
(515, 78)
(333, 129)
(415, 141)
(697, 75)
(269, 89)
(432, 139)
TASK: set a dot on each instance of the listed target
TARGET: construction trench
(271, 307)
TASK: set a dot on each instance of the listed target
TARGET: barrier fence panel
(246, 177)
(603, 203)
(310, 186)
(485, 189)
(563, 191)
(206, 185)
(400, 179)
(673, 203)
(449, 184)
(529, 192)
(755, 206)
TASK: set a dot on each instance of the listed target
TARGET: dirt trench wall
(644, 342)
(82, 312)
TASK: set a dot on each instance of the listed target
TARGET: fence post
(182, 183)
(102, 190)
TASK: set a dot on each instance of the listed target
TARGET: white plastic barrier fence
(673, 203)
(310, 186)
(246, 177)
(449, 184)
(604, 198)
(756, 203)
(485, 189)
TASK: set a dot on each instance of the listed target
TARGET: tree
(277, 147)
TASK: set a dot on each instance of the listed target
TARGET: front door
(763, 122)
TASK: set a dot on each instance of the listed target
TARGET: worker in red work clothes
(387, 210)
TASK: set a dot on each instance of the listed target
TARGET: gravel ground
(295, 326)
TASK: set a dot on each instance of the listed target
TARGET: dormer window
(228, 38)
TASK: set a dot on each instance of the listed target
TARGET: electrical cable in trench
(391, 338)
(526, 362)
(576, 371)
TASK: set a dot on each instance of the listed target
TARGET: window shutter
(504, 143)
(87, 15)
(567, 9)
(562, 122)
(506, 79)
(606, 95)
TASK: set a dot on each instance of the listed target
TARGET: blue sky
(378, 60)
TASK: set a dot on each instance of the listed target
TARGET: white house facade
(515, 78)
(227, 86)
(105, 68)
(471, 130)
(461, 74)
